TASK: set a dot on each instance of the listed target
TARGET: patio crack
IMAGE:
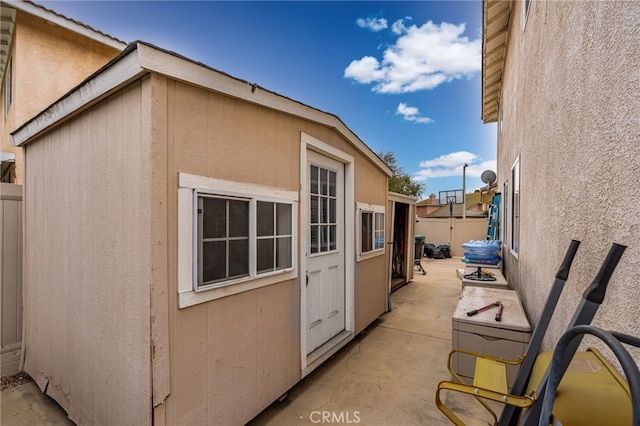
(335, 395)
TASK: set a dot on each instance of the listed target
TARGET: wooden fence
(10, 277)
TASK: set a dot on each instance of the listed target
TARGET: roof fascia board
(183, 69)
(396, 196)
(61, 21)
(111, 78)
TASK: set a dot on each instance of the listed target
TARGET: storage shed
(194, 244)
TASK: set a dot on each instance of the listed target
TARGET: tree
(400, 181)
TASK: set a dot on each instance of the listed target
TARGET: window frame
(514, 242)
(375, 211)
(506, 222)
(191, 189)
(8, 86)
(526, 7)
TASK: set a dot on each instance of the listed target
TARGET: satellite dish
(488, 177)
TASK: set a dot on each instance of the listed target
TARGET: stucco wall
(572, 115)
(48, 61)
(232, 357)
(88, 265)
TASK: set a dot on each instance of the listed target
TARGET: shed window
(371, 229)
(223, 239)
(233, 237)
(240, 238)
(275, 238)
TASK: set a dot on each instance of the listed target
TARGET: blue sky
(403, 76)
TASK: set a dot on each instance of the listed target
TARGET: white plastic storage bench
(507, 338)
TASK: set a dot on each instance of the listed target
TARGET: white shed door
(325, 254)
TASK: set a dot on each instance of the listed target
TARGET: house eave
(140, 58)
(116, 74)
(495, 33)
(64, 22)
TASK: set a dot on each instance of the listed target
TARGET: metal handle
(563, 271)
(596, 291)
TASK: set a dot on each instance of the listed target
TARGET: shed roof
(141, 58)
(495, 28)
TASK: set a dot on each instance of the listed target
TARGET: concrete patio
(386, 376)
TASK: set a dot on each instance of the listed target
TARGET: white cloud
(452, 164)
(412, 114)
(366, 70)
(372, 24)
(422, 58)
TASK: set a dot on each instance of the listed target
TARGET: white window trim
(8, 88)
(515, 188)
(370, 208)
(526, 7)
(189, 188)
(506, 221)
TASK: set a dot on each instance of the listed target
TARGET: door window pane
(332, 184)
(315, 210)
(315, 239)
(324, 182)
(323, 211)
(313, 175)
(332, 237)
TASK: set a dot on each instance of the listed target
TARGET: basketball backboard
(456, 196)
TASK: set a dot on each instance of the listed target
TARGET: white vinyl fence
(10, 277)
(453, 232)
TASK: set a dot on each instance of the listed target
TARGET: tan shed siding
(371, 279)
(217, 136)
(571, 109)
(87, 271)
(231, 357)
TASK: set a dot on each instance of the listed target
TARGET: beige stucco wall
(232, 357)
(88, 265)
(48, 61)
(571, 112)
